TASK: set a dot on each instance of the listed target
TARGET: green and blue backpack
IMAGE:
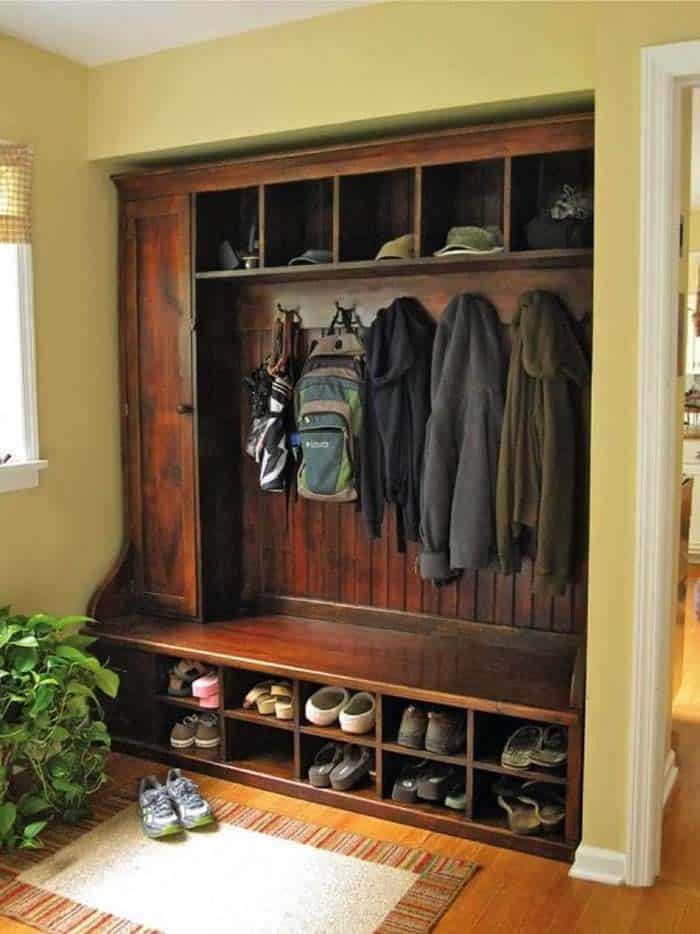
(328, 408)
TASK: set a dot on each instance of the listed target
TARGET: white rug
(223, 880)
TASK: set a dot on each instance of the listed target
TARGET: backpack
(328, 407)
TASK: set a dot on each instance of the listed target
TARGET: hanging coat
(458, 510)
(542, 447)
(397, 405)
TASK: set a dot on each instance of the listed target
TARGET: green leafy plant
(53, 740)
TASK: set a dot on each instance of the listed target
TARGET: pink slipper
(210, 702)
(207, 685)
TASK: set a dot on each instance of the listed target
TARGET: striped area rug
(424, 896)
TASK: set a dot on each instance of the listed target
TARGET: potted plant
(53, 739)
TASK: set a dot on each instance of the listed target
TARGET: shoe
(182, 734)
(272, 686)
(523, 815)
(550, 802)
(552, 751)
(159, 817)
(207, 685)
(518, 750)
(284, 708)
(446, 732)
(354, 767)
(201, 730)
(405, 788)
(414, 723)
(211, 702)
(265, 703)
(433, 782)
(358, 715)
(324, 705)
(326, 760)
(191, 808)
(207, 734)
(182, 675)
(456, 796)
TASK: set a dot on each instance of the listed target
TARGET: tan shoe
(183, 733)
(208, 734)
(266, 704)
(284, 708)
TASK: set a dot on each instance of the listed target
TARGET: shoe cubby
(332, 732)
(488, 812)
(225, 215)
(298, 217)
(395, 764)
(166, 719)
(311, 744)
(392, 712)
(259, 748)
(491, 733)
(162, 675)
(374, 208)
(237, 682)
(459, 195)
(537, 182)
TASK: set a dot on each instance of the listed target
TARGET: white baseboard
(594, 864)
(670, 774)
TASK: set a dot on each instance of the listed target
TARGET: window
(19, 447)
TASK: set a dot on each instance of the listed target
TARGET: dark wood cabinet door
(160, 404)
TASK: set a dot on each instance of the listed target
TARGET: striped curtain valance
(15, 193)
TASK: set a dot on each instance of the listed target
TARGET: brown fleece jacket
(537, 466)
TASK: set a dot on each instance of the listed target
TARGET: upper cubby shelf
(537, 195)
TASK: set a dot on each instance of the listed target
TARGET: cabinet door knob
(184, 408)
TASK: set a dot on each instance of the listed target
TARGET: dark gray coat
(458, 494)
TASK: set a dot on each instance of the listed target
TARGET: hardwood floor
(512, 892)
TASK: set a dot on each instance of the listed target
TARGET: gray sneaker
(190, 806)
(158, 816)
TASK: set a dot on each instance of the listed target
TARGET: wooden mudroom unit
(260, 584)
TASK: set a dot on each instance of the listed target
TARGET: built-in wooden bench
(498, 677)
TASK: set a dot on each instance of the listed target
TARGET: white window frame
(23, 475)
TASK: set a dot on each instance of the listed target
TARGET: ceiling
(94, 32)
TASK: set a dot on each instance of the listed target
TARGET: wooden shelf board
(252, 716)
(335, 735)
(460, 759)
(191, 703)
(456, 670)
(492, 764)
(274, 765)
(370, 268)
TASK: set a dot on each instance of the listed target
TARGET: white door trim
(665, 70)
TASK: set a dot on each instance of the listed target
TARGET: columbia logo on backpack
(328, 406)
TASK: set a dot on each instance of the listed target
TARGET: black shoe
(414, 723)
(326, 760)
(405, 787)
(434, 782)
(447, 731)
(354, 767)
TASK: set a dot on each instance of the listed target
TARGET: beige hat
(472, 240)
(401, 248)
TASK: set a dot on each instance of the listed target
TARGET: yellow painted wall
(382, 66)
(55, 541)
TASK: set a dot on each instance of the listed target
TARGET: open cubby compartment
(374, 208)
(167, 715)
(238, 681)
(163, 666)
(226, 215)
(392, 712)
(537, 182)
(298, 217)
(333, 732)
(459, 195)
(488, 812)
(393, 764)
(258, 747)
(310, 745)
(491, 732)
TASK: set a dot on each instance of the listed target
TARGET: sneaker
(190, 807)
(159, 818)
(446, 732)
(405, 788)
(434, 781)
(414, 723)
(207, 734)
(183, 733)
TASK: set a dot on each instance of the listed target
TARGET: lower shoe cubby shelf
(274, 754)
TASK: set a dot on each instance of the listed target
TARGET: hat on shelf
(312, 258)
(472, 240)
(403, 247)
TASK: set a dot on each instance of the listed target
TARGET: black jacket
(397, 405)
(458, 516)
